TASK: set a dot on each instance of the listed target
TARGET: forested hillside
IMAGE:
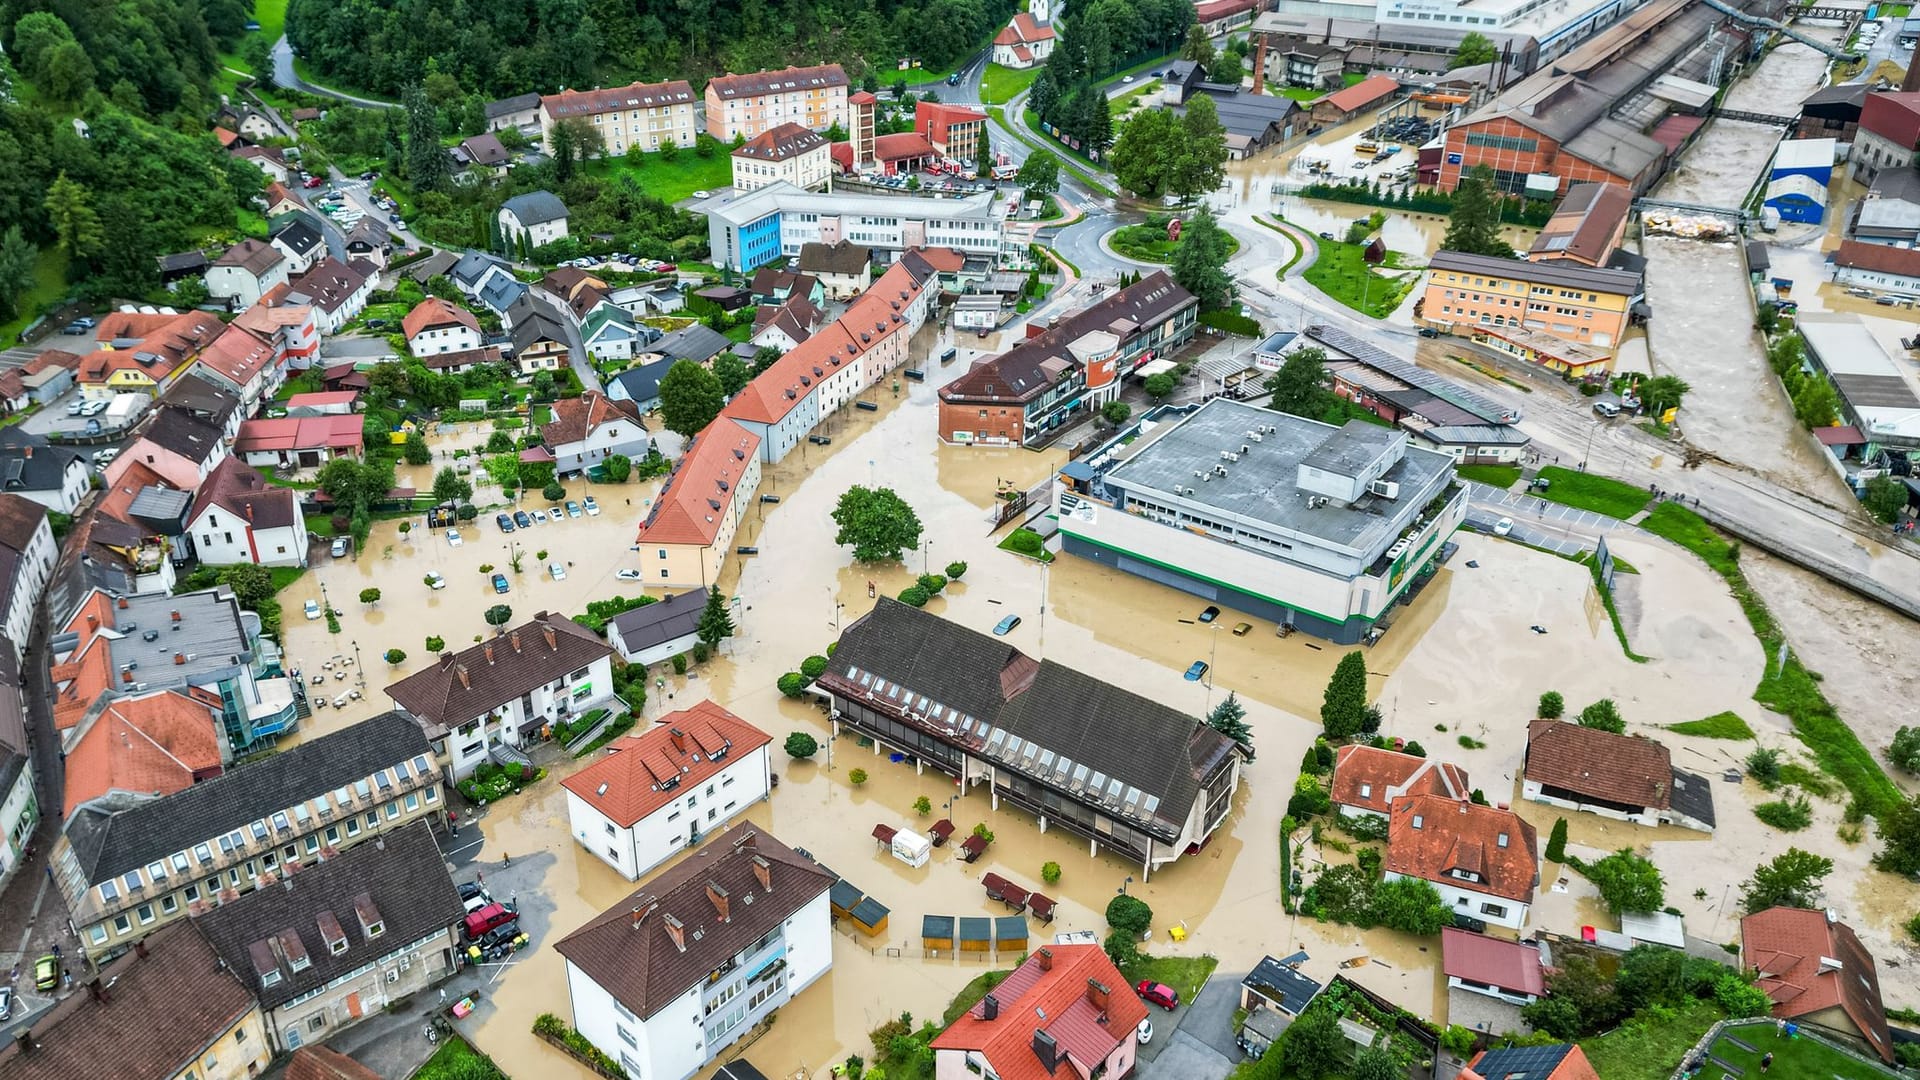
(503, 47)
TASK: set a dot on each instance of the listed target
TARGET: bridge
(1773, 24)
(1737, 214)
(1756, 118)
(1845, 15)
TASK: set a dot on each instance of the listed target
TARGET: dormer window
(332, 934)
(1418, 821)
(371, 924)
(1503, 840)
(1366, 791)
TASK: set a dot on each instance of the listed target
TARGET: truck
(1769, 219)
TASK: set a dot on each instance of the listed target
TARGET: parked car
(1606, 408)
(506, 935)
(339, 549)
(453, 538)
(74, 407)
(6, 1002)
(314, 182)
(703, 194)
(1242, 629)
(435, 580)
(521, 519)
(474, 895)
(1429, 332)
(1145, 1031)
(1198, 669)
(539, 516)
(593, 508)
(1209, 613)
(573, 509)
(1158, 994)
(313, 609)
(487, 918)
(554, 513)
(1503, 527)
(556, 571)
(628, 575)
(505, 522)
(500, 583)
(46, 972)
(1005, 626)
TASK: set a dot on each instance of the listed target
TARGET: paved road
(576, 349)
(1187, 1058)
(285, 75)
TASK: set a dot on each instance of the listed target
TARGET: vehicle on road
(313, 609)
(1196, 670)
(593, 508)
(435, 580)
(1503, 527)
(1429, 332)
(628, 575)
(1209, 613)
(453, 538)
(1158, 994)
(339, 549)
(1606, 408)
(703, 194)
(953, 79)
(1242, 629)
(1005, 626)
(573, 509)
(79, 326)
(1145, 1031)
(314, 182)
(74, 407)
(487, 918)
(500, 583)
(46, 972)
(1127, 79)
(505, 522)
(521, 519)
(556, 571)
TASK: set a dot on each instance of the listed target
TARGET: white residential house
(588, 429)
(1483, 860)
(27, 534)
(504, 690)
(338, 292)
(237, 517)
(610, 333)
(245, 272)
(56, 477)
(686, 778)
(653, 633)
(539, 216)
(669, 978)
(435, 326)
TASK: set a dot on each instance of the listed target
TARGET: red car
(315, 181)
(1159, 994)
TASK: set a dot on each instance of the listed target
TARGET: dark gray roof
(652, 624)
(536, 207)
(473, 266)
(297, 231)
(1249, 115)
(421, 269)
(182, 432)
(507, 106)
(532, 325)
(698, 342)
(844, 257)
(643, 383)
(108, 842)
(1559, 272)
(182, 262)
(202, 398)
(404, 875)
(29, 462)
(1518, 1062)
(1283, 984)
(1692, 795)
(483, 677)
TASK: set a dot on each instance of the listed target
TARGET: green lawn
(999, 84)
(1154, 64)
(1500, 476)
(1724, 725)
(1798, 1058)
(458, 1060)
(674, 180)
(971, 993)
(49, 285)
(1186, 974)
(1646, 1050)
(1024, 541)
(272, 17)
(1122, 105)
(1342, 273)
(1150, 244)
(1585, 491)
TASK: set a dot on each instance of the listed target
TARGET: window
(413, 801)
(317, 1022)
(203, 853)
(109, 891)
(625, 1036)
(168, 905)
(131, 880)
(353, 827)
(433, 796)
(393, 810)
(240, 1035)
(97, 935)
(193, 893)
(121, 924)
(1494, 910)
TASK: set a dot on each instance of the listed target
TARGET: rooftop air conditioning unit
(1386, 489)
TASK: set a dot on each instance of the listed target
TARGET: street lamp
(1123, 885)
(1213, 653)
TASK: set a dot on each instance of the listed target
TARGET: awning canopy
(1155, 367)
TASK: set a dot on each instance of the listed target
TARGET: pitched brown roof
(1371, 778)
(1884, 258)
(785, 81)
(842, 257)
(326, 1063)
(682, 751)
(164, 1010)
(1808, 963)
(1582, 226)
(234, 486)
(480, 679)
(1429, 836)
(256, 257)
(20, 518)
(575, 418)
(633, 96)
(789, 140)
(1618, 768)
(631, 951)
(434, 313)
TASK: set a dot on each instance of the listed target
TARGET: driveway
(1210, 1018)
(1186, 1058)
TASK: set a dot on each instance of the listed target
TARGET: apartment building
(1584, 305)
(647, 115)
(743, 106)
(779, 219)
(786, 152)
(689, 530)
(27, 554)
(128, 864)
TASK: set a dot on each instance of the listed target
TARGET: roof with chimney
(779, 143)
(1369, 778)
(20, 519)
(158, 1010)
(329, 284)
(1065, 1002)
(237, 488)
(30, 462)
(1024, 29)
(789, 80)
(289, 434)
(641, 774)
(1439, 839)
(256, 257)
(842, 257)
(665, 937)
(612, 99)
(1627, 770)
(155, 744)
(434, 313)
(576, 418)
(476, 680)
(1810, 961)
(332, 917)
(1034, 365)
(110, 840)
(535, 208)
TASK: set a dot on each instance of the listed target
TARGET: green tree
(414, 450)
(1815, 403)
(1885, 497)
(1557, 841)
(553, 492)
(450, 487)
(252, 585)
(396, 657)
(1763, 764)
(1200, 261)
(801, 746)
(1129, 915)
(715, 623)
(1605, 715)
(1315, 1047)
(1551, 706)
(257, 54)
(76, 227)
(1375, 1062)
(1475, 224)
(877, 523)
(1229, 718)
(369, 596)
(1474, 48)
(1142, 161)
(1197, 47)
(70, 71)
(618, 467)
(428, 166)
(1628, 882)
(1116, 412)
(436, 644)
(1159, 387)
(1792, 879)
(1039, 174)
(1299, 387)
(1411, 906)
(1200, 165)
(498, 615)
(732, 372)
(690, 397)
(1345, 703)
(1905, 750)
(763, 358)
(1900, 836)
(1662, 392)
(17, 258)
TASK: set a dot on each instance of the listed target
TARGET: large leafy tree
(1628, 882)
(1200, 261)
(1474, 227)
(1792, 879)
(1474, 48)
(450, 487)
(732, 372)
(1200, 164)
(17, 256)
(1345, 704)
(1900, 833)
(877, 523)
(1197, 47)
(1143, 158)
(76, 227)
(1040, 174)
(1299, 387)
(690, 397)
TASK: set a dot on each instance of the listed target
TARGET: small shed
(942, 831)
(976, 933)
(936, 933)
(843, 898)
(1010, 933)
(870, 916)
(912, 848)
(972, 847)
(1798, 198)
(1279, 985)
(1041, 907)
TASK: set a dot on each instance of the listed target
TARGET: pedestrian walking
(506, 859)
(1779, 1029)
(1766, 1061)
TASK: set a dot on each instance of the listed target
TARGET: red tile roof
(1024, 29)
(1452, 834)
(1621, 769)
(632, 96)
(901, 146)
(152, 745)
(126, 484)
(1808, 963)
(1892, 116)
(1361, 94)
(165, 343)
(785, 81)
(1051, 992)
(709, 472)
(1387, 775)
(325, 1063)
(678, 752)
(240, 355)
(323, 398)
(301, 433)
(1219, 9)
(1584, 224)
(434, 313)
(780, 143)
(1491, 961)
(575, 418)
(1880, 257)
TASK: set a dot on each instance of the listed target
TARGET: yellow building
(1580, 304)
(166, 1011)
(685, 539)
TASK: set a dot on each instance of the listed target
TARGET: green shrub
(1026, 542)
(1764, 766)
(1129, 915)
(1741, 998)
(801, 745)
(701, 651)
(914, 596)
(1310, 798)
(933, 583)
(679, 663)
(1552, 706)
(956, 570)
(1470, 743)
(396, 656)
(792, 684)
(1787, 815)
(1414, 748)
(923, 806)
(1557, 842)
(436, 644)
(553, 491)
(813, 667)
(1050, 873)
(857, 777)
